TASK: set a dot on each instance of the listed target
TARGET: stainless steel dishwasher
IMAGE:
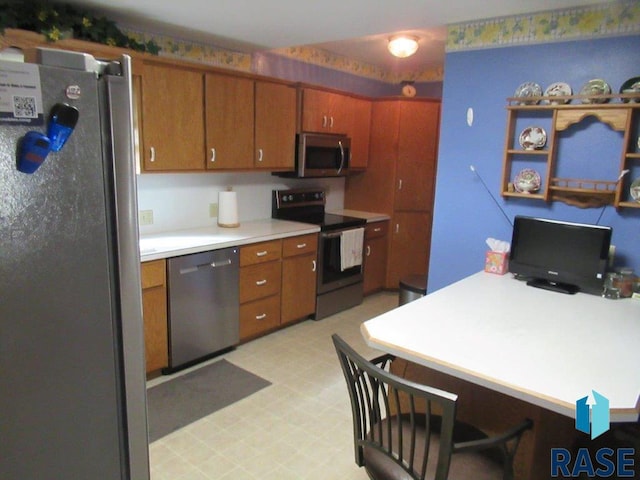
(203, 305)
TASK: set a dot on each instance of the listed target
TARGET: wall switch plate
(145, 217)
(213, 209)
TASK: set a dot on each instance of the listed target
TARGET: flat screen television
(560, 256)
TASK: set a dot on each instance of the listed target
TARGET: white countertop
(183, 242)
(195, 240)
(368, 216)
(543, 347)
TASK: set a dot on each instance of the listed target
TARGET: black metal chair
(407, 431)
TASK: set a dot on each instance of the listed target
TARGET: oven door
(331, 276)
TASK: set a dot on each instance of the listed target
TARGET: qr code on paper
(24, 107)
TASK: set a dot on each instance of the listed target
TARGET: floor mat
(178, 402)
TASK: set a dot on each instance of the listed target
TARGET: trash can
(412, 287)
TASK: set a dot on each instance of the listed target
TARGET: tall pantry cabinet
(400, 180)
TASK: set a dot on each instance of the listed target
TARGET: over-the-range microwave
(320, 155)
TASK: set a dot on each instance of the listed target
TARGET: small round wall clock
(409, 90)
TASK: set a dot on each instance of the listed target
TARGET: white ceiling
(357, 29)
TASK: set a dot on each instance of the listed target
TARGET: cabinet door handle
(377, 229)
(213, 155)
(397, 227)
(313, 265)
(324, 121)
(301, 245)
(260, 154)
(368, 250)
(261, 317)
(261, 282)
(331, 122)
(153, 155)
(261, 253)
(400, 184)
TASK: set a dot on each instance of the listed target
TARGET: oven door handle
(341, 157)
(331, 235)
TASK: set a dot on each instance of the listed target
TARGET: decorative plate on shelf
(634, 190)
(597, 86)
(533, 138)
(528, 89)
(558, 89)
(631, 86)
(527, 181)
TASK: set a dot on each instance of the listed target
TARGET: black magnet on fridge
(62, 121)
(32, 151)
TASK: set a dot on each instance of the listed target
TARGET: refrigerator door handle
(119, 105)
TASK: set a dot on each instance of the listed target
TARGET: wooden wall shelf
(620, 111)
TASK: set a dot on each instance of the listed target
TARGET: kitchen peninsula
(512, 351)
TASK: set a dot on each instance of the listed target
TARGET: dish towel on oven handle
(351, 242)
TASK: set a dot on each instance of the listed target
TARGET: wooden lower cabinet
(260, 280)
(375, 256)
(277, 284)
(259, 317)
(298, 277)
(410, 245)
(154, 308)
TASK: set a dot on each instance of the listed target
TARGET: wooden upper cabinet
(195, 119)
(417, 152)
(172, 118)
(330, 112)
(359, 132)
(325, 112)
(275, 125)
(229, 113)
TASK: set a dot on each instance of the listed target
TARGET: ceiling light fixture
(403, 46)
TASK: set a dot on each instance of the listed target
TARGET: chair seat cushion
(464, 466)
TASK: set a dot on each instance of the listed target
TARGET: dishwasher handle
(223, 263)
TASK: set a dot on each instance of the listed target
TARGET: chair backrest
(394, 420)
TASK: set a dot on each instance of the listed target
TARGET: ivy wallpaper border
(580, 23)
(194, 51)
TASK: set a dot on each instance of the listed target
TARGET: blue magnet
(62, 121)
(32, 151)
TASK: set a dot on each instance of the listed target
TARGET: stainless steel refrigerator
(72, 376)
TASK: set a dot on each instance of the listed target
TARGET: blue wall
(465, 214)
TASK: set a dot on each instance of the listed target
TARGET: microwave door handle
(341, 157)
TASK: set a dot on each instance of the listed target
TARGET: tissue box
(496, 262)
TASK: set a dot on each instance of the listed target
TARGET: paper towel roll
(228, 209)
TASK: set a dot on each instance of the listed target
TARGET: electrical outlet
(146, 217)
(213, 209)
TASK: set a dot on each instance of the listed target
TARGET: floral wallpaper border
(605, 19)
(328, 59)
(194, 51)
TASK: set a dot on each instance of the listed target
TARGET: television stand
(553, 286)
